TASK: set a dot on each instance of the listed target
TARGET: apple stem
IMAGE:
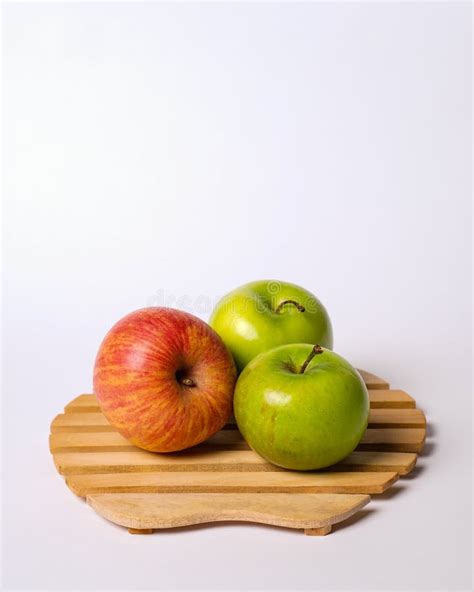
(317, 349)
(282, 304)
(187, 382)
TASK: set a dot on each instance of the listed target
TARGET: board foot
(140, 530)
(318, 531)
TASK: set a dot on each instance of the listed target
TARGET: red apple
(164, 379)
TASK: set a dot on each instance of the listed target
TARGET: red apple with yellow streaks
(164, 379)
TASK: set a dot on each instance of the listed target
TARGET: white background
(158, 151)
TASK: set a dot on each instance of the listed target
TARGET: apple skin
(301, 421)
(249, 324)
(139, 373)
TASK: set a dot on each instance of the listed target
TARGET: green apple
(301, 406)
(262, 315)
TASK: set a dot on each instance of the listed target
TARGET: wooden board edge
(106, 506)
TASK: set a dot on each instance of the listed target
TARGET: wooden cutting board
(223, 479)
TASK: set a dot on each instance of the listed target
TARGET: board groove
(223, 479)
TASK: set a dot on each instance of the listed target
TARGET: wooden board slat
(114, 442)
(90, 442)
(97, 422)
(402, 462)
(145, 511)
(391, 399)
(233, 482)
(85, 403)
(140, 461)
(372, 381)
(393, 439)
(81, 422)
(396, 418)
(381, 398)
(386, 439)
